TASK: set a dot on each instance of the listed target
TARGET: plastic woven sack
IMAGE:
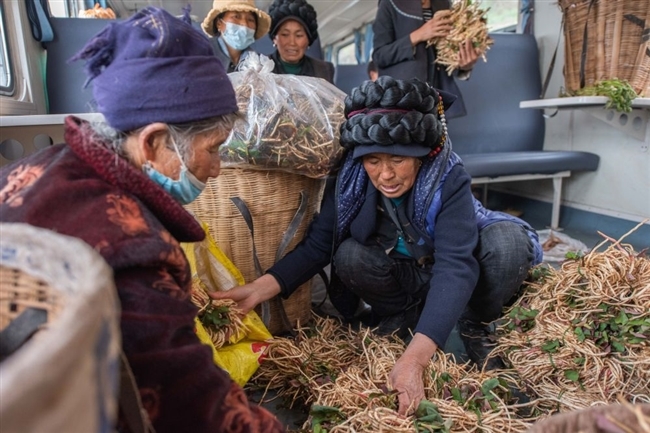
(65, 378)
(291, 122)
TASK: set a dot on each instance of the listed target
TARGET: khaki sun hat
(221, 6)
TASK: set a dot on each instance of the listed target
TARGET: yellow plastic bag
(213, 271)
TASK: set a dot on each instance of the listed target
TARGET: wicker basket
(20, 291)
(615, 47)
(273, 198)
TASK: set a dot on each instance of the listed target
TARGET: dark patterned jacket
(83, 189)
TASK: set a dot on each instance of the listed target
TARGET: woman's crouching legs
(393, 288)
(505, 254)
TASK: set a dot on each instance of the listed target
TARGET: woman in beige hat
(234, 25)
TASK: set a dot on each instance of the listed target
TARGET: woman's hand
(250, 295)
(406, 376)
(437, 27)
(468, 55)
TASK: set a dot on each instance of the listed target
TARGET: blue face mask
(185, 190)
(238, 37)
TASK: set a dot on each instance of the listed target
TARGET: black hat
(398, 117)
(298, 10)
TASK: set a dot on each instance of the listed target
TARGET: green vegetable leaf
(572, 375)
(324, 416)
(551, 346)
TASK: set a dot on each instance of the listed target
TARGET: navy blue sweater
(454, 273)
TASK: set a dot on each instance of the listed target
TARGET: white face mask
(238, 37)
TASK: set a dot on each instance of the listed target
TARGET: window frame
(10, 88)
(344, 44)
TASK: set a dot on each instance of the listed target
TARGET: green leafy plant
(428, 419)
(215, 316)
(324, 418)
(540, 273)
(521, 319)
(619, 92)
(612, 328)
(573, 255)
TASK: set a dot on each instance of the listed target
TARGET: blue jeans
(390, 285)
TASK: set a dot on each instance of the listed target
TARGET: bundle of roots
(469, 23)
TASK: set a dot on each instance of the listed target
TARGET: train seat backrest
(347, 77)
(65, 80)
(494, 121)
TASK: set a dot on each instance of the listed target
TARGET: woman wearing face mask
(120, 186)
(293, 29)
(235, 25)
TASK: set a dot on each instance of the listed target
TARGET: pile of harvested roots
(291, 124)
(343, 375)
(580, 335)
(469, 22)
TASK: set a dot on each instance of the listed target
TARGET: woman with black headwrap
(405, 234)
(293, 29)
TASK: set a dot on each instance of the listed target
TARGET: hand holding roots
(219, 317)
(469, 22)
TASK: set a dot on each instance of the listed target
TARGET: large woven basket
(616, 45)
(273, 197)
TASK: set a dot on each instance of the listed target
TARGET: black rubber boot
(479, 341)
(401, 324)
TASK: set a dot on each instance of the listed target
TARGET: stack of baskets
(617, 43)
(273, 198)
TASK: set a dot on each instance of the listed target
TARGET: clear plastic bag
(556, 245)
(291, 122)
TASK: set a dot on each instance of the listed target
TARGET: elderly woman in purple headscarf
(120, 187)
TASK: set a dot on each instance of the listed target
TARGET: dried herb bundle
(469, 22)
(291, 124)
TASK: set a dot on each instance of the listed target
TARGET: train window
(6, 74)
(61, 8)
(503, 14)
(345, 55)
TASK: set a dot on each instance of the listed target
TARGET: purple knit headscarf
(154, 67)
